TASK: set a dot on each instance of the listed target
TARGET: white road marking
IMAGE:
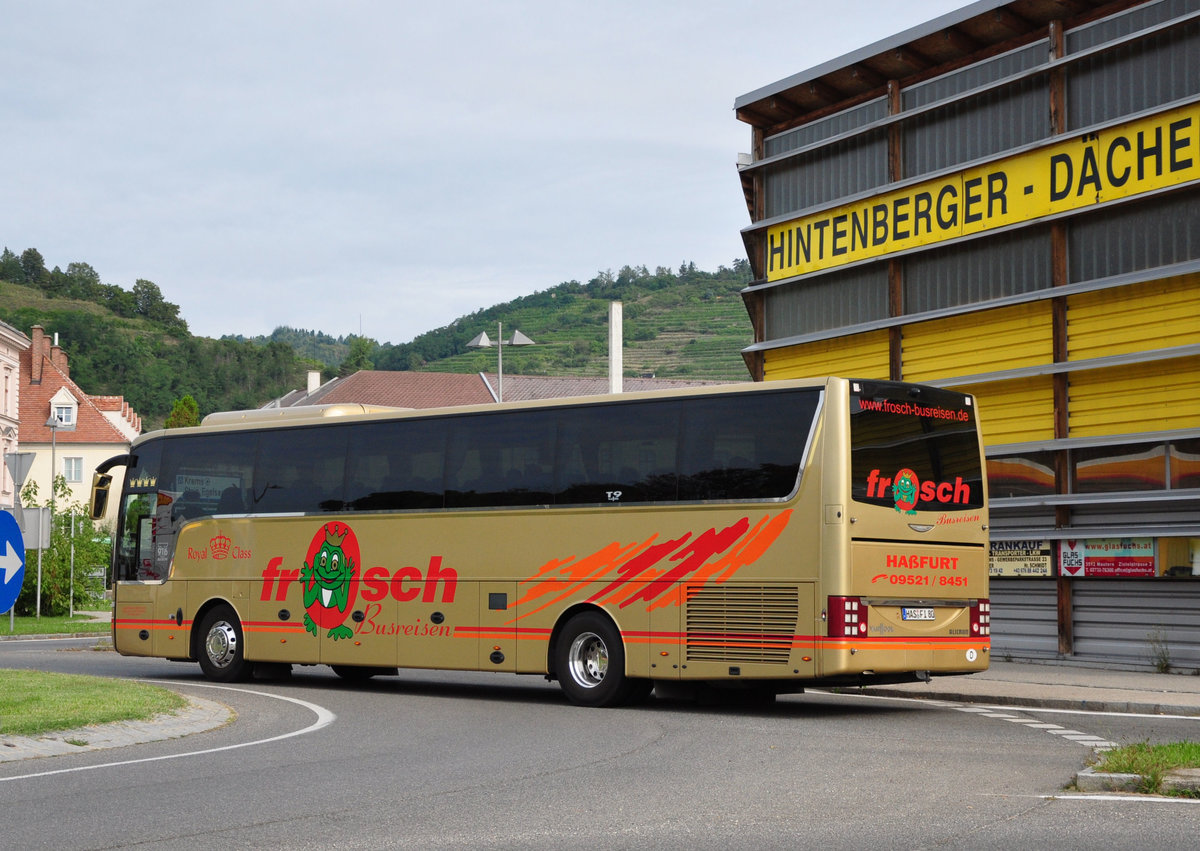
(325, 717)
(1142, 799)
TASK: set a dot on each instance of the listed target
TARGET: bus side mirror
(99, 504)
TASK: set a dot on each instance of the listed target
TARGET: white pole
(616, 354)
(71, 591)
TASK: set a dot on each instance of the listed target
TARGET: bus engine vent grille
(742, 624)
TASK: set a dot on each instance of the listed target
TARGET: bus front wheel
(221, 655)
(590, 662)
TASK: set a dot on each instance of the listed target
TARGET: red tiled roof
(91, 425)
(401, 390)
(444, 389)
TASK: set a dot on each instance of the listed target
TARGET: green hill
(685, 324)
(682, 324)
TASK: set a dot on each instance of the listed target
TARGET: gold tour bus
(762, 536)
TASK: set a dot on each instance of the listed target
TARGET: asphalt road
(458, 760)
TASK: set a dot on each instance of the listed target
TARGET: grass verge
(46, 625)
(34, 702)
(1152, 762)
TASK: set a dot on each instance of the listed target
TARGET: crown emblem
(335, 534)
(219, 546)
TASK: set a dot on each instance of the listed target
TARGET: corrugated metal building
(1004, 200)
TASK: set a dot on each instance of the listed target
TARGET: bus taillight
(981, 618)
(847, 617)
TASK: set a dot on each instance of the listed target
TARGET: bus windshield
(914, 448)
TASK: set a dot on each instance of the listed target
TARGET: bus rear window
(914, 448)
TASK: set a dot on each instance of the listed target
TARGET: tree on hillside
(184, 413)
(10, 266)
(359, 357)
(33, 267)
(149, 302)
(84, 281)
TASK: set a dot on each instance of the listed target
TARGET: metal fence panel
(1150, 624)
(821, 176)
(1024, 619)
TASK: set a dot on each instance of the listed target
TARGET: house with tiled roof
(444, 389)
(89, 429)
(390, 389)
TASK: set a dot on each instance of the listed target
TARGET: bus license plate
(917, 614)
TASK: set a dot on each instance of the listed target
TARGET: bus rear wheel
(589, 660)
(221, 654)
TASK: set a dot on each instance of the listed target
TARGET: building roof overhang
(934, 47)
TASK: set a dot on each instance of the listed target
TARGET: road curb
(1116, 706)
(200, 715)
(57, 635)
(1179, 780)
(1090, 780)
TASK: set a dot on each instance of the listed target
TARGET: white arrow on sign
(10, 563)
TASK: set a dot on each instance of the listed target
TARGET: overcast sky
(390, 166)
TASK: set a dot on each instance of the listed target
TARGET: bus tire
(221, 650)
(589, 660)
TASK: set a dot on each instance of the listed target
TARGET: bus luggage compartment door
(134, 618)
(497, 626)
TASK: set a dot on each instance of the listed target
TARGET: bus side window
(628, 453)
(231, 501)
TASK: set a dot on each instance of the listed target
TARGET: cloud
(321, 164)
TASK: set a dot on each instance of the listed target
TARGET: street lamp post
(481, 341)
(54, 423)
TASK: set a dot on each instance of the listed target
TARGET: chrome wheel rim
(221, 644)
(588, 660)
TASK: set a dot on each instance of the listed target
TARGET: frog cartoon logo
(904, 491)
(330, 580)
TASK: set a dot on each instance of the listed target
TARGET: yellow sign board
(1118, 162)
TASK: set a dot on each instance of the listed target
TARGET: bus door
(145, 612)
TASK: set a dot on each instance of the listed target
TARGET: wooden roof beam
(912, 58)
(823, 92)
(1011, 21)
(960, 41)
(868, 76)
(1074, 7)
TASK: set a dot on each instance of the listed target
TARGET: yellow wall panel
(856, 356)
(1015, 411)
(1155, 396)
(985, 341)
(1150, 315)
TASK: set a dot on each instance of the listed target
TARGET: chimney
(616, 354)
(59, 358)
(36, 352)
(314, 379)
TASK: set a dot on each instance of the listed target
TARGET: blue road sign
(12, 560)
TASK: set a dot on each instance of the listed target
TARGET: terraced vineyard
(673, 328)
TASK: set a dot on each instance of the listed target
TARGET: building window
(1110, 469)
(65, 414)
(73, 469)
(1031, 474)
(1184, 459)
